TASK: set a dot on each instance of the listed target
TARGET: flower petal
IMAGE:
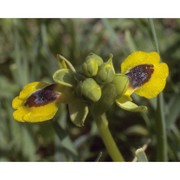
(36, 114)
(137, 58)
(138, 65)
(157, 82)
(17, 102)
(37, 102)
(30, 88)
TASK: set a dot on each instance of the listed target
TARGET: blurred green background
(28, 49)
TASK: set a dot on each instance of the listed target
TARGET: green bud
(90, 89)
(106, 72)
(91, 64)
(121, 83)
(109, 95)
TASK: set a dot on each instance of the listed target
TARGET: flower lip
(42, 97)
(157, 81)
(37, 102)
(140, 74)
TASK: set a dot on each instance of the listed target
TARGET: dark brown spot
(42, 97)
(140, 74)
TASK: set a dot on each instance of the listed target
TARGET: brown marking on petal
(42, 97)
(140, 74)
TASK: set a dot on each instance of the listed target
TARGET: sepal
(64, 63)
(121, 83)
(78, 111)
(64, 77)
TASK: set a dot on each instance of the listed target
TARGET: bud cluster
(96, 86)
(99, 75)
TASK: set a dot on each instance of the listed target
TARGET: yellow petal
(156, 83)
(36, 114)
(25, 113)
(20, 112)
(30, 88)
(17, 102)
(137, 58)
(42, 113)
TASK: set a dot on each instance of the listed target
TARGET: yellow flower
(37, 102)
(147, 75)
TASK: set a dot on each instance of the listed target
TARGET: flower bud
(91, 64)
(121, 83)
(109, 95)
(106, 72)
(90, 89)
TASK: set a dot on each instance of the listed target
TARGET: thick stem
(102, 124)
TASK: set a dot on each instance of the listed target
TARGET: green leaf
(78, 112)
(61, 133)
(65, 64)
(64, 77)
(130, 106)
(7, 88)
(130, 41)
(141, 156)
(28, 144)
(68, 144)
(173, 109)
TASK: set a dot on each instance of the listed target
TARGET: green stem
(160, 120)
(161, 130)
(102, 124)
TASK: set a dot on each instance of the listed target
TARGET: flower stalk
(102, 125)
